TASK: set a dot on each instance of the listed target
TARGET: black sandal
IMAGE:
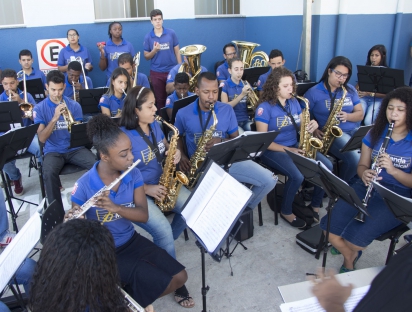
(183, 293)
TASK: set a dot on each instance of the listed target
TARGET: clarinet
(92, 200)
(361, 216)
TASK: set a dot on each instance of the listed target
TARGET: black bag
(301, 75)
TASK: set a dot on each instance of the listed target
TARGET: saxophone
(130, 302)
(199, 155)
(331, 130)
(307, 142)
(170, 178)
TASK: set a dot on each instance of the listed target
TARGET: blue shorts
(380, 221)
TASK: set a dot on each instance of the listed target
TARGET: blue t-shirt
(164, 60)
(319, 104)
(149, 167)
(34, 75)
(141, 81)
(187, 121)
(262, 79)
(278, 120)
(232, 90)
(112, 103)
(171, 99)
(175, 70)
(67, 54)
(59, 140)
(68, 91)
(400, 153)
(113, 51)
(90, 183)
(222, 72)
(5, 98)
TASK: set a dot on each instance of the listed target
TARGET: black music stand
(302, 87)
(89, 99)
(355, 142)
(252, 74)
(78, 137)
(10, 116)
(180, 104)
(335, 188)
(35, 87)
(12, 144)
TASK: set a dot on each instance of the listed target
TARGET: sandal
(334, 251)
(344, 269)
(357, 258)
(182, 295)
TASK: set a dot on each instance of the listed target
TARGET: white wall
(176, 9)
(271, 7)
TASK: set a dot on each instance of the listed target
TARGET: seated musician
(147, 270)
(26, 62)
(275, 60)
(350, 236)
(194, 119)
(170, 82)
(125, 61)
(181, 90)
(327, 91)
(53, 133)
(235, 93)
(150, 145)
(74, 79)
(275, 112)
(222, 72)
(13, 93)
(111, 103)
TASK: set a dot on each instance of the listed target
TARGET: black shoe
(316, 217)
(297, 223)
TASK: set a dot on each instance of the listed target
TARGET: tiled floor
(272, 259)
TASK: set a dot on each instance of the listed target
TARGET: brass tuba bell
(245, 52)
(192, 67)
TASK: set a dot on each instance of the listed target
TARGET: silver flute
(131, 303)
(92, 200)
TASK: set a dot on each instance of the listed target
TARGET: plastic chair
(393, 235)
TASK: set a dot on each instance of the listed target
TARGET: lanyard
(290, 116)
(200, 118)
(149, 143)
(332, 98)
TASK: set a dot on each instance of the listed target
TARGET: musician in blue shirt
(181, 90)
(111, 103)
(222, 72)
(275, 60)
(170, 87)
(74, 79)
(26, 62)
(348, 235)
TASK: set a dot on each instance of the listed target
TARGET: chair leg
(260, 214)
(186, 235)
(394, 241)
(276, 209)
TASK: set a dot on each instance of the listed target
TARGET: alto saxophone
(199, 155)
(131, 303)
(331, 129)
(171, 179)
(307, 142)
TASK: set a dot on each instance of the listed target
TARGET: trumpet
(136, 60)
(79, 59)
(68, 117)
(25, 107)
(252, 99)
(75, 92)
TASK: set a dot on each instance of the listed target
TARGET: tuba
(199, 155)
(68, 117)
(171, 179)
(25, 107)
(307, 142)
(136, 60)
(245, 52)
(331, 129)
(192, 53)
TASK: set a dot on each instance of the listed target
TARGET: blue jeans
(163, 233)
(369, 108)
(281, 162)
(4, 221)
(3, 307)
(25, 273)
(261, 179)
(245, 125)
(348, 168)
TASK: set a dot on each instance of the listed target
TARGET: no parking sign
(48, 53)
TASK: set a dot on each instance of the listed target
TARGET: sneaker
(297, 222)
(408, 238)
(18, 187)
(8, 237)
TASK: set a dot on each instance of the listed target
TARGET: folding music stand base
(205, 288)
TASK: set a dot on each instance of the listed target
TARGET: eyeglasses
(339, 74)
(72, 35)
(231, 54)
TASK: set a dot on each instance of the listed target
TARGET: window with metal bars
(119, 9)
(217, 7)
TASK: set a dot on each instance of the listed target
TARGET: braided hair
(77, 270)
(103, 132)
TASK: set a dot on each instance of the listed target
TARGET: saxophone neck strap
(152, 144)
(290, 116)
(199, 111)
(332, 97)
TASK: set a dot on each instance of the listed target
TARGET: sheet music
(19, 248)
(312, 304)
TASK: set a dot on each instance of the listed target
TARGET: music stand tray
(252, 74)
(10, 116)
(180, 104)
(78, 137)
(379, 79)
(35, 87)
(89, 99)
(355, 142)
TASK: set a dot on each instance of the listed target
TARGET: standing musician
(113, 48)
(349, 236)
(72, 51)
(181, 90)
(74, 79)
(194, 119)
(51, 114)
(150, 146)
(275, 60)
(323, 97)
(279, 111)
(111, 103)
(148, 271)
(229, 52)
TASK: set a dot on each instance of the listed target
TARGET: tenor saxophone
(307, 142)
(199, 155)
(331, 129)
(171, 179)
